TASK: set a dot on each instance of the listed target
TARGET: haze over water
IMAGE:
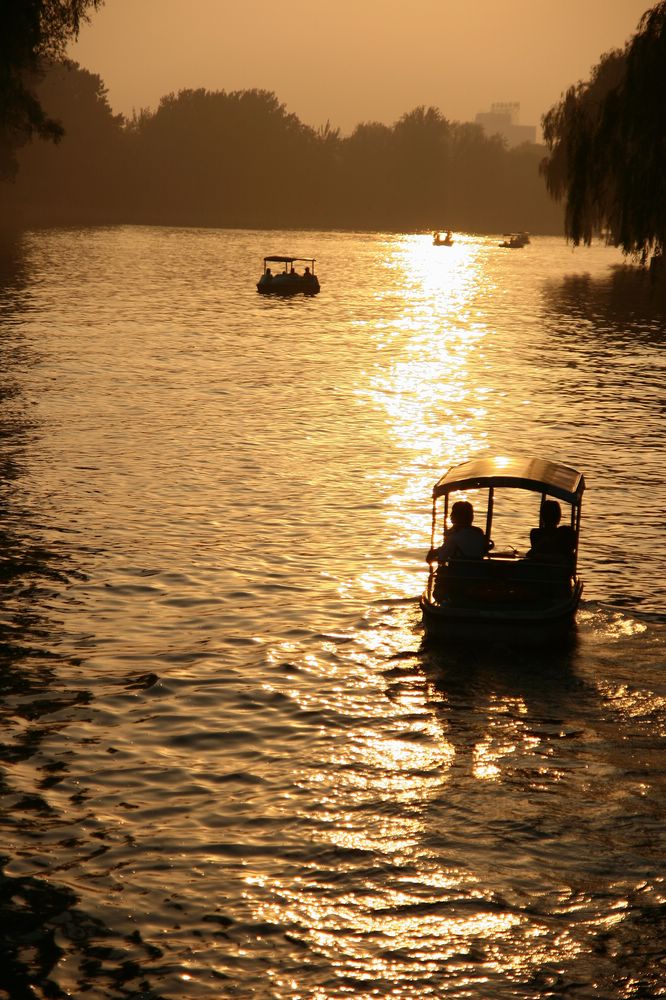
(229, 768)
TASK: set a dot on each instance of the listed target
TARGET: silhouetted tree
(478, 177)
(607, 141)
(84, 177)
(30, 32)
(421, 149)
(241, 159)
(366, 189)
(522, 198)
(220, 158)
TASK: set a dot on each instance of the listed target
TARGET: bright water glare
(229, 766)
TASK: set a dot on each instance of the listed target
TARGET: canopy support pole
(489, 512)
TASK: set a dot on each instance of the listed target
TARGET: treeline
(242, 160)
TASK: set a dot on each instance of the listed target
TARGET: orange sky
(355, 60)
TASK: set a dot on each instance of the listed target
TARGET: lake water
(228, 765)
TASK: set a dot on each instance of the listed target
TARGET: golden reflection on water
(376, 786)
(504, 737)
(432, 384)
(428, 379)
(613, 626)
(416, 942)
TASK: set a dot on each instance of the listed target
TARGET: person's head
(551, 512)
(462, 514)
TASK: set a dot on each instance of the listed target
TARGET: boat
(514, 241)
(288, 281)
(505, 594)
(437, 240)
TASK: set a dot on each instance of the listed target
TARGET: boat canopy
(276, 259)
(535, 474)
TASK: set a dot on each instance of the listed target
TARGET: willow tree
(607, 142)
(31, 31)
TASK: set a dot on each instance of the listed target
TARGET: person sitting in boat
(463, 540)
(551, 541)
(266, 278)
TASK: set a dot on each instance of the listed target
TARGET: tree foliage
(31, 31)
(83, 176)
(607, 142)
(240, 159)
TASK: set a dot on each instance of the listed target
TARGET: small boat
(503, 593)
(437, 240)
(288, 281)
(514, 241)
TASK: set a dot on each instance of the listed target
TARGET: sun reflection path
(422, 826)
(385, 909)
(429, 380)
(390, 891)
(388, 942)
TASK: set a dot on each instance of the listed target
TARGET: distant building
(502, 119)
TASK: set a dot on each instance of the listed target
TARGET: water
(229, 768)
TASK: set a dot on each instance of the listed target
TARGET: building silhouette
(502, 119)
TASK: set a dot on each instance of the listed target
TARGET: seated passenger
(551, 542)
(463, 540)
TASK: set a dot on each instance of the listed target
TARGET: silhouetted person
(265, 279)
(552, 542)
(462, 540)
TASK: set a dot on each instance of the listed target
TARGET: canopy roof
(535, 474)
(288, 260)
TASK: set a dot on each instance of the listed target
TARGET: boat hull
(288, 286)
(542, 622)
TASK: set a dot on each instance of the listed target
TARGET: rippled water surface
(228, 765)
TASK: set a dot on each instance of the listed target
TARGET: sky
(355, 61)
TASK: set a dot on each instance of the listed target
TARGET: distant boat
(437, 240)
(289, 281)
(514, 241)
(502, 594)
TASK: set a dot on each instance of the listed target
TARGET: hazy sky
(355, 60)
